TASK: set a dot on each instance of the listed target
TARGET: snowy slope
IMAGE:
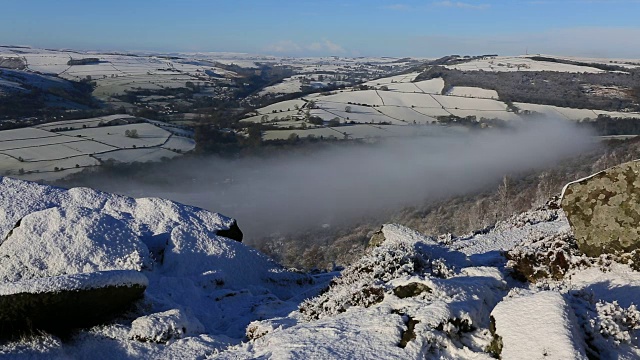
(53, 234)
(412, 296)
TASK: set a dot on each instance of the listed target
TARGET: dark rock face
(411, 290)
(233, 233)
(604, 210)
(61, 310)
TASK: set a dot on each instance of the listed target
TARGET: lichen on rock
(604, 210)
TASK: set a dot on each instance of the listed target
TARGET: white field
(43, 155)
(41, 141)
(368, 97)
(117, 73)
(82, 123)
(479, 114)
(502, 64)
(559, 112)
(473, 92)
(149, 135)
(362, 114)
(180, 143)
(432, 112)
(288, 105)
(407, 115)
(433, 86)
(405, 78)
(287, 86)
(280, 115)
(625, 115)
(626, 63)
(13, 166)
(454, 102)
(58, 151)
(24, 133)
(408, 100)
(138, 155)
(404, 87)
(367, 116)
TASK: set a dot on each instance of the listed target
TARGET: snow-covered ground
(473, 92)
(412, 296)
(520, 63)
(52, 151)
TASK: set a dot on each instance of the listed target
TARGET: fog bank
(342, 183)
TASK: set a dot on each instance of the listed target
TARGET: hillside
(207, 296)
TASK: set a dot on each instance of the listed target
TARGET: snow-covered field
(39, 153)
(473, 92)
(573, 114)
(520, 63)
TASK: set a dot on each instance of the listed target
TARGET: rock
(233, 233)
(62, 303)
(165, 326)
(524, 325)
(604, 210)
(411, 290)
(377, 239)
(74, 240)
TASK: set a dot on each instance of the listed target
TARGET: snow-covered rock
(164, 326)
(61, 303)
(70, 240)
(53, 238)
(539, 326)
(410, 296)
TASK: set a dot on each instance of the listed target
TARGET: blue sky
(608, 28)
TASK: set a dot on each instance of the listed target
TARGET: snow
(367, 97)
(522, 63)
(433, 86)
(74, 282)
(148, 135)
(527, 323)
(559, 112)
(413, 296)
(220, 284)
(83, 123)
(453, 102)
(409, 100)
(99, 243)
(473, 92)
(180, 143)
(164, 326)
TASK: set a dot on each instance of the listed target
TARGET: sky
(427, 28)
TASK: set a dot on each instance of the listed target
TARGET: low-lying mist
(338, 184)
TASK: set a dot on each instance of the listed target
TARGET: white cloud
(317, 47)
(461, 5)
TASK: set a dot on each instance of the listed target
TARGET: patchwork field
(44, 154)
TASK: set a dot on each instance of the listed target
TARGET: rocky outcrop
(59, 247)
(59, 304)
(233, 232)
(604, 210)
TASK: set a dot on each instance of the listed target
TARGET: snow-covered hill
(411, 296)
